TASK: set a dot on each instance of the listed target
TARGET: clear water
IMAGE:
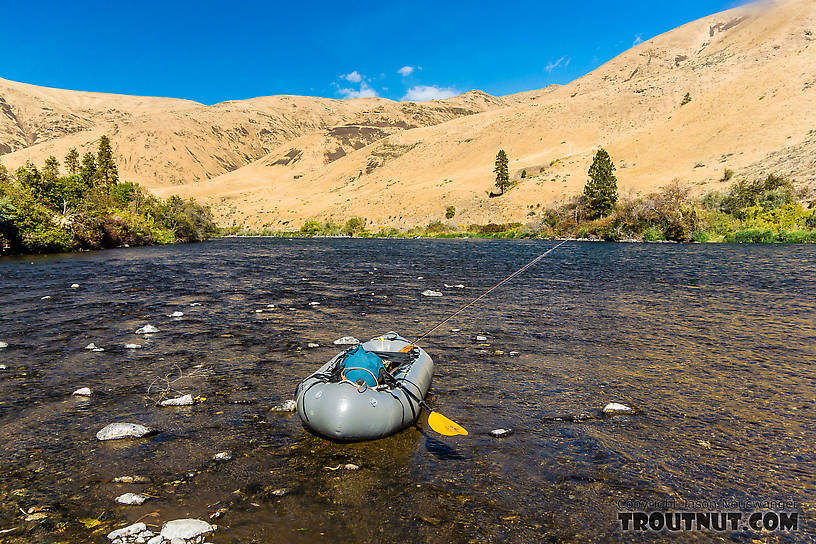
(715, 346)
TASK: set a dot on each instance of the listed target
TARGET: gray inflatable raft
(342, 410)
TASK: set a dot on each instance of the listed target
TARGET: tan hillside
(750, 72)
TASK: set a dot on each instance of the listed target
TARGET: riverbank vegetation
(768, 210)
(43, 211)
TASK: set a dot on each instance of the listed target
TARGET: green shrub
(450, 211)
(701, 236)
(753, 236)
(652, 234)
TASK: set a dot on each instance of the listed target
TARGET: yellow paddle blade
(445, 426)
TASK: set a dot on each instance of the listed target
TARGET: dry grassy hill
(750, 73)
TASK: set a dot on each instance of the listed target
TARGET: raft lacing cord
(480, 297)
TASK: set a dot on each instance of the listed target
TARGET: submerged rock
(133, 346)
(616, 408)
(131, 480)
(314, 304)
(514, 354)
(286, 406)
(480, 338)
(184, 400)
(312, 345)
(132, 498)
(222, 456)
(501, 433)
(431, 293)
(74, 286)
(3, 345)
(186, 529)
(82, 392)
(176, 314)
(116, 431)
(147, 329)
(346, 341)
(3, 367)
(195, 304)
(351, 466)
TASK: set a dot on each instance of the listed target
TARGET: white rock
(195, 304)
(176, 314)
(158, 539)
(222, 456)
(459, 286)
(616, 408)
(351, 466)
(147, 329)
(431, 293)
(46, 297)
(97, 350)
(82, 392)
(184, 400)
(115, 431)
(312, 345)
(270, 305)
(132, 498)
(258, 311)
(314, 304)
(455, 330)
(514, 354)
(186, 529)
(3, 367)
(280, 492)
(74, 286)
(126, 532)
(91, 346)
(501, 433)
(420, 277)
(3, 345)
(480, 338)
(286, 406)
(133, 346)
(346, 341)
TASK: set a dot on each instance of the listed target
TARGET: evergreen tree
(88, 169)
(29, 177)
(601, 190)
(105, 165)
(502, 171)
(72, 161)
(50, 171)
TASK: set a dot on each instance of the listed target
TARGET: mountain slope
(750, 73)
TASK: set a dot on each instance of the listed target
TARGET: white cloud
(353, 77)
(422, 93)
(553, 65)
(406, 71)
(365, 91)
(638, 40)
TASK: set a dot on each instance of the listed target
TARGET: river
(714, 346)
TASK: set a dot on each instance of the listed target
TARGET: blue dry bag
(362, 364)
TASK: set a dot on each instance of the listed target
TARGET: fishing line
(480, 297)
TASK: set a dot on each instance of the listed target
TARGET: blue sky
(214, 51)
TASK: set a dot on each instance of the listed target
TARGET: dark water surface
(714, 345)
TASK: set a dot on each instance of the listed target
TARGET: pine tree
(502, 171)
(601, 190)
(88, 169)
(50, 171)
(105, 165)
(72, 161)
